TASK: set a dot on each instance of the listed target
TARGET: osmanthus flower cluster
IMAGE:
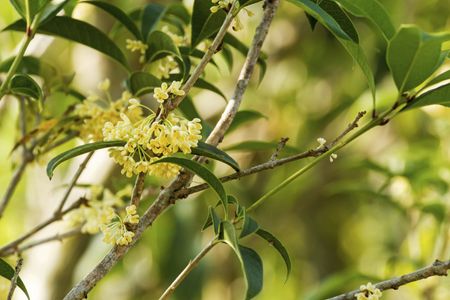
(368, 292)
(96, 111)
(226, 5)
(101, 213)
(148, 140)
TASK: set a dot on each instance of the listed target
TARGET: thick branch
(165, 197)
(438, 268)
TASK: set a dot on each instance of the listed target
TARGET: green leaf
(213, 219)
(6, 271)
(34, 7)
(253, 269)
(228, 57)
(244, 116)
(251, 263)
(439, 78)
(201, 172)
(152, 14)
(439, 95)
(231, 40)
(412, 56)
(204, 23)
(243, 3)
(352, 48)
(161, 45)
(51, 10)
(140, 83)
(179, 10)
(436, 209)
(336, 12)
(250, 226)
(28, 65)
(207, 150)
(83, 149)
(119, 15)
(373, 11)
(272, 240)
(24, 85)
(80, 32)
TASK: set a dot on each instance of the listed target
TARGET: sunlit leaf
(77, 151)
(439, 95)
(204, 23)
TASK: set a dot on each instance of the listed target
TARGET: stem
(188, 269)
(56, 237)
(29, 35)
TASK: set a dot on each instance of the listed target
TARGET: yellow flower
(161, 94)
(135, 45)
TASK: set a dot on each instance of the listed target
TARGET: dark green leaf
(412, 56)
(80, 32)
(272, 240)
(231, 40)
(161, 45)
(6, 271)
(373, 11)
(210, 151)
(205, 85)
(29, 65)
(334, 10)
(228, 57)
(179, 10)
(34, 7)
(352, 48)
(243, 3)
(244, 116)
(213, 219)
(140, 83)
(24, 85)
(119, 15)
(439, 95)
(201, 172)
(83, 149)
(250, 226)
(51, 10)
(152, 14)
(204, 23)
(253, 269)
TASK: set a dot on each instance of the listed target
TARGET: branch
(14, 278)
(188, 269)
(12, 246)
(164, 199)
(56, 237)
(438, 268)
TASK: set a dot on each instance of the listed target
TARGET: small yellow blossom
(333, 157)
(167, 65)
(225, 4)
(368, 292)
(132, 217)
(135, 45)
(161, 94)
(104, 85)
(321, 142)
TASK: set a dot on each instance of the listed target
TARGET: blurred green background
(380, 210)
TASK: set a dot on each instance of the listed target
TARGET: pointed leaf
(373, 11)
(244, 116)
(412, 56)
(204, 23)
(439, 95)
(253, 269)
(6, 271)
(51, 10)
(152, 14)
(83, 149)
(439, 78)
(207, 150)
(179, 10)
(272, 240)
(213, 219)
(34, 7)
(119, 15)
(77, 31)
(140, 83)
(24, 85)
(161, 45)
(250, 226)
(201, 172)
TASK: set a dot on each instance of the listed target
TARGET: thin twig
(12, 246)
(188, 269)
(280, 146)
(56, 237)
(349, 128)
(72, 183)
(438, 268)
(163, 201)
(15, 278)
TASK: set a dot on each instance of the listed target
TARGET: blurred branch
(163, 201)
(188, 269)
(12, 247)
(280, 146)
(14, 278)
(56, 237)
(438, 268)
(72, 183)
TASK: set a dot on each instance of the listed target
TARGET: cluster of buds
(368, 292)
(166, 91)
(96, 111)
(137, 46)
(99, 214)
(220, 4)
